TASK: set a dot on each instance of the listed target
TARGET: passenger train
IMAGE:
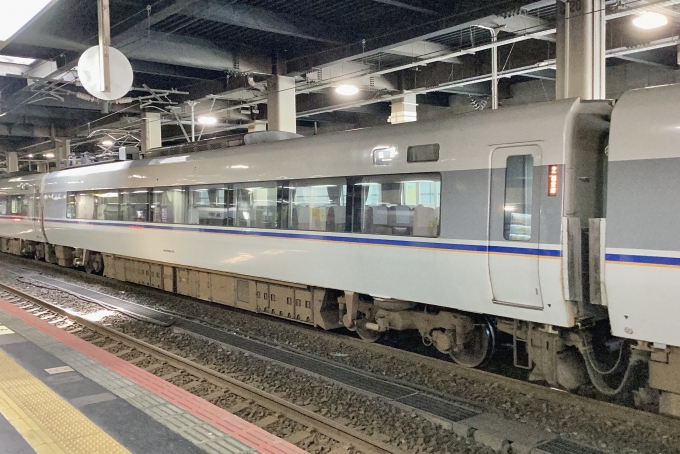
(553, 223)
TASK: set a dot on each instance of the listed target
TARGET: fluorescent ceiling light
(650, 20)
(16, 14)
(49, 155)
(347, 90)
(207, 120)
(107, 142)
(30, 156)
(16, 60)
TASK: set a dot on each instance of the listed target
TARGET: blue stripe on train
(324, 237)
(643, 259)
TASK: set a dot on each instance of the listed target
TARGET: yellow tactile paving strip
(46, 421)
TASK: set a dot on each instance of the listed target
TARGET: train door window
(519, 175)
(319, 205)
(168, 205)
(3, 205)
(407, 205)
(107, 205)
(134, 205)
(256, 205)
(211, 205)
(19, 205)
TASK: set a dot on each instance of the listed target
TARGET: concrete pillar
(281, 104)
(403, 109)
(12, 161)
(43, 166)
(62, 153)
(151, 131)
(580, 49)
(257, 126)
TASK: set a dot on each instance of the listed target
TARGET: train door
(513, 253)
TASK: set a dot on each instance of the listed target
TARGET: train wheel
(366, 334)
(478, 347)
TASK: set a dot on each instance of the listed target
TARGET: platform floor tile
(46, 421)
(220, 433)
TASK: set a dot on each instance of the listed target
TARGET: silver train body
(540, 221)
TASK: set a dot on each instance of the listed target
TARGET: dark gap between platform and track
(405, 395)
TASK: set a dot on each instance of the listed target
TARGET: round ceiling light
(49, 155)
(107, 142)
(650, 20)
(207, 120)
(347, 90)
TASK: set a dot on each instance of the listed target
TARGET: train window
(423, 153)
(407, 205)
(85, 204)
(107, 205)
(211, 205)
(256, 205)
(70, 206)
(168, 205)
(3, 205)
(19, 205)
(319, 205)
(519, 175)
(134, 205)
(55, 206)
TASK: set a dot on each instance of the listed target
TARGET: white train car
(458, 228)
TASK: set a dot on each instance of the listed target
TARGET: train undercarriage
(562, 358)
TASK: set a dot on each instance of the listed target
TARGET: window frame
(282, 217)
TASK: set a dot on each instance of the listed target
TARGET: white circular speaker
(89, 74)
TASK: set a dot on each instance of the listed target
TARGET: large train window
(167, 205)
(212, 205)
(407, 205)
(256, 205)
(519, 175)
(318, 205)
(19, 205)
(134, 205)
(107, 205)
(3, 204)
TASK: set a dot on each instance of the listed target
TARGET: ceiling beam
(141, 28)
(260, 19)
(403, 5)
(518, 24)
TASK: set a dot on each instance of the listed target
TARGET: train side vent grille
(243, 291)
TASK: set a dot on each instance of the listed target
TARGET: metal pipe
(104, 44)
(494, 64)
(192, 104)
(179, 122)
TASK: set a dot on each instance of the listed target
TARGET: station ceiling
(221, 52)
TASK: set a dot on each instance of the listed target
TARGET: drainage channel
(464, 420)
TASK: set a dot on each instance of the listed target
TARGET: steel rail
(326, 426)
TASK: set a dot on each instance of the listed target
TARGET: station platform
(62, 395)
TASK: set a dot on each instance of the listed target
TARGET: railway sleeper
(552, 355)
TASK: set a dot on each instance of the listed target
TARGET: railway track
(601, 413)
(309, 424)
